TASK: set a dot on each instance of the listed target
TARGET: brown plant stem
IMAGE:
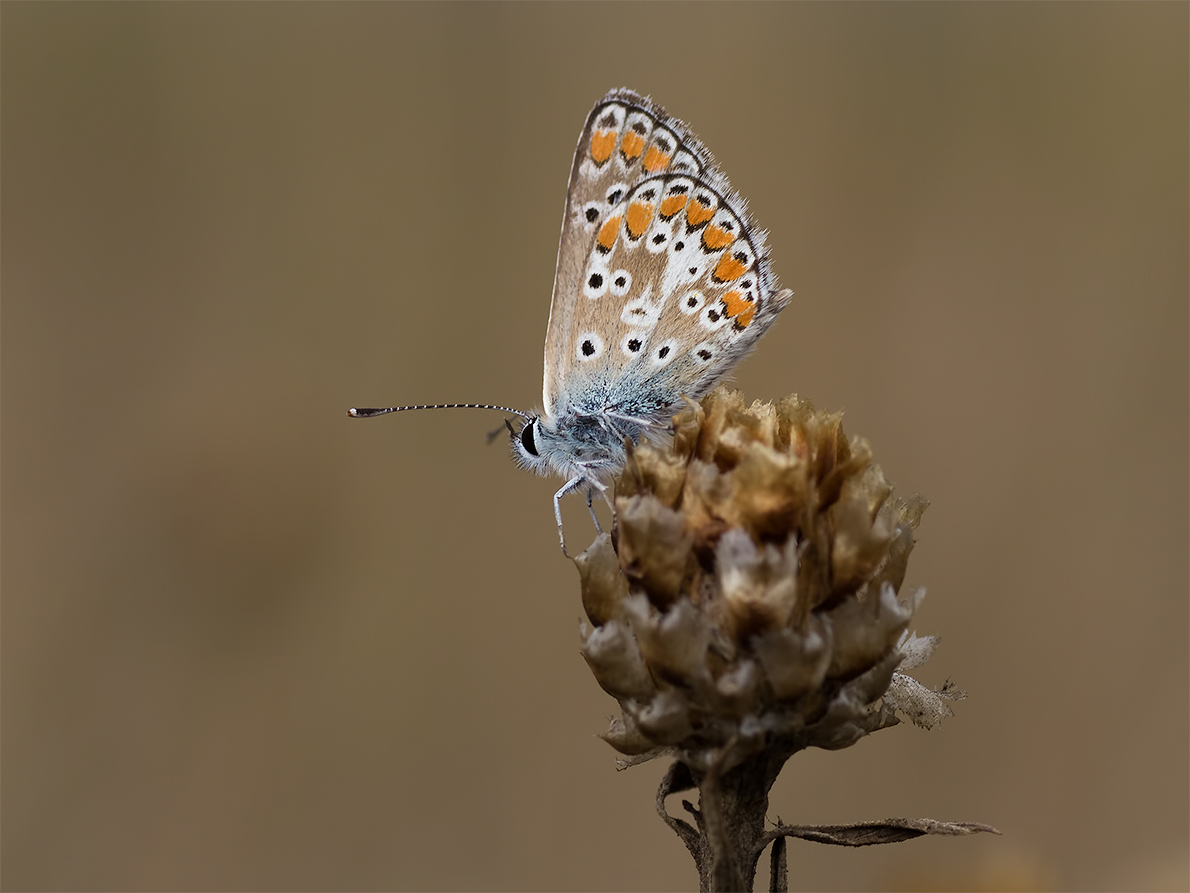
(778, 867)
(730, 816)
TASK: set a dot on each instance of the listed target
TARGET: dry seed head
(751, 593)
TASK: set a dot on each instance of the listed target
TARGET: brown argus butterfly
(663, 283)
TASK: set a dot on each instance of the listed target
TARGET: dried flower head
(747, 604)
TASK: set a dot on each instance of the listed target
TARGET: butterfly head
(572, 445)
(524, 445)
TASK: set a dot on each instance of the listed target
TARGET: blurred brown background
(249, 643)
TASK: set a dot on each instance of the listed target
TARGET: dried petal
(666, 720)
(655, 551)
(603, 586)
(859, 544)
(767, 488)
(626, 737)
(674, 644)
(865, 632)
(795, 663)
(926, 707)
(916, 650)
(653, 471)
(739, 688)
(758, 585)
(614, 657)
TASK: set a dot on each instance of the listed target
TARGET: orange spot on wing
(607, 233)
(632, 145)
(746, 317)
(638, 217)
(729, 268)
(714, 237)
(655, 160)
(697, 213)
(735, 303)
(672, 205)
(602, 144)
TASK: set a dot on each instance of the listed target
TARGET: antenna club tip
(353, 412)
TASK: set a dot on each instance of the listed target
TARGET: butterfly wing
(663, 282)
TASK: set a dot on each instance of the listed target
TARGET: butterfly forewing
(662, 281)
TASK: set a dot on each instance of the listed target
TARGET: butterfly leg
(594, 517)
(569, 487)
(602, 488)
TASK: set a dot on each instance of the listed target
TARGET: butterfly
(663, 284)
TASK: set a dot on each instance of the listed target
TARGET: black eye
(527, 440)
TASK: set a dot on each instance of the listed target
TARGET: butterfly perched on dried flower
(663, 283)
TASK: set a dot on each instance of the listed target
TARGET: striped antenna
(370, 413)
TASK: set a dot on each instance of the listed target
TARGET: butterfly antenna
(385, 410)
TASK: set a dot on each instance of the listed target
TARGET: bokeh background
(248, 643)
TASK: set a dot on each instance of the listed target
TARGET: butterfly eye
(527, 439)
